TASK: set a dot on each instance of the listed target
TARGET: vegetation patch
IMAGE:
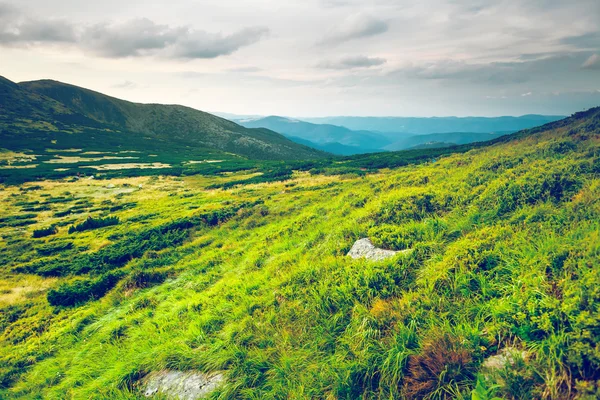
(93, 223)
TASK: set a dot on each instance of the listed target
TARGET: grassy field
(224, 273)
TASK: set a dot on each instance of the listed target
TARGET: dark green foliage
(40, 233)
(53, 248)
(93, 223)
(18, 220)
(133, 245)
(83, 290)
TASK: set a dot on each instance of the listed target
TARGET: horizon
(226, 115)
(317, 58)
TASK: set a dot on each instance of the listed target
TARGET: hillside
(33, 110)
(494, 294)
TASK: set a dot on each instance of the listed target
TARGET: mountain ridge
(75, 108)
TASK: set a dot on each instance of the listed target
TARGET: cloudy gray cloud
(134, 38)
(355, 26)
(200, 44)
(592, 63)
(587, 41)
(352, 62)
(17, 28)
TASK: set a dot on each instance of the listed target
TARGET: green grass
(248, 276)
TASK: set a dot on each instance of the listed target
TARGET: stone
(364, 248)
(110, 186)
(181, 385)
(504, 358)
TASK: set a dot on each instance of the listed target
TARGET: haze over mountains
(355, 135)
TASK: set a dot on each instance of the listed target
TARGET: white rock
(364, 248)
(110, 186)
(505, 357)
(188, 385)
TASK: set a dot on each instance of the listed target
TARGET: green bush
(83, 290)
(40, 233)
(93, 223)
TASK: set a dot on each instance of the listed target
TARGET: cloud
(587, 41)
(526, 94)
(134, 38)
(352, 62)
(491, 73)
(356, 26)
(17, 28)
(592, 63)
(200, 44)
(125, 85)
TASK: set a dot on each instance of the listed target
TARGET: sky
(315, 58)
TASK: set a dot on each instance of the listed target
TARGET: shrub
(54, 247)
(83, 290)
(94, 223)
(40, 233)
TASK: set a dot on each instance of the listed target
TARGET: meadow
(105, 280)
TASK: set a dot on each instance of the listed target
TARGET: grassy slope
(506, 251)
(35, 112)
(173, 122)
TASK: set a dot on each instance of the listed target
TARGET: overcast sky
(315, 57)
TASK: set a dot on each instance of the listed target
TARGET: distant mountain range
(45, 113)
(335, 139)
(345, 141)
(422, 126)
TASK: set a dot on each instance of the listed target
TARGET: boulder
(364, 248)
(181, 385)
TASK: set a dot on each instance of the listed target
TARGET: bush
(54, 247)
(40, 233)
(94, 223)
(83, 290)
(442, 370)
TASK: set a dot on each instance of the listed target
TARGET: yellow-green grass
(506, 247)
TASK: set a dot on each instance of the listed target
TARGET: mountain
(431, 140)
(421, 126)
(42, 107)
(426, 132)
(322, 134)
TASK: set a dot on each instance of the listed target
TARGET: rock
(110, 186)
(505, 357)
(181, 385)
(364, 248)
